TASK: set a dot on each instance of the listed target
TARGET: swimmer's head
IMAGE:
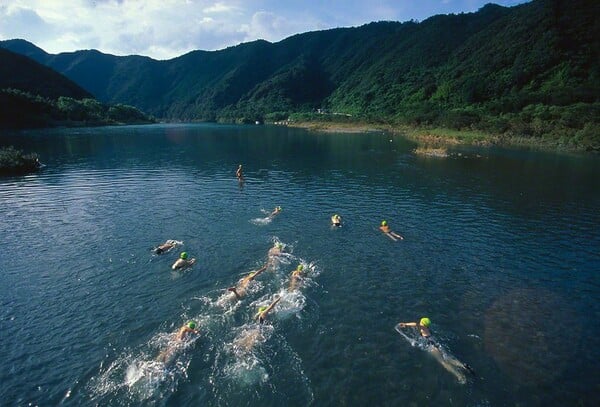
(191, 325)
(300, 267)
(384, 223)
(261, 310)
(425, 322)
(183, 255)
(279, 245)
(278, 208)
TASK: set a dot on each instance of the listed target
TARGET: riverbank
(435, 137)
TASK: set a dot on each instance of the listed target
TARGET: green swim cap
(261, 309)
(300, 267)
(183, 255)
(279, 245)
(383, 223)
(425, 322)
(191, 325)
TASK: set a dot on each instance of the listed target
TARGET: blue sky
(164, 29)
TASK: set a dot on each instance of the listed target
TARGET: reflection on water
(500, 250)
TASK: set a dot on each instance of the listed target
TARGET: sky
(164, 29)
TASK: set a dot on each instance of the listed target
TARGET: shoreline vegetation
(435, 141)
(16, 162)
(23, 110)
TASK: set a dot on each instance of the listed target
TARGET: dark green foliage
(19, 72)
(531, 70)
(14, 161)
(23, 110)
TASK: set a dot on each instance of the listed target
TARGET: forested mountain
(20, 72)
(532, 69)
(34, 95)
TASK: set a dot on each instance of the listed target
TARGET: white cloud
(220, 8)
(168, 28)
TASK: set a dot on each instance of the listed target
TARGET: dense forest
(530, 71)
(33, 95)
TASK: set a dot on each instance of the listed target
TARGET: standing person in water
(449, 362)
(239, 174)
(262, 313)
(183, 261)
(275, 212)
(240, 290)
(336, 220)
(388, 232)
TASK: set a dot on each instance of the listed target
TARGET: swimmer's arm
(273, 305)
(405, 324)
(255, 274)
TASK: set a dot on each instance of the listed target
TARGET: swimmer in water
(262, 313)
(183, 261)
(336, 220)
(296, 277)
(184, 332)
(165, 247)
(240, 290)
(274, 253)
(239, 173)
(387, 231)
(275, 212)
(449, 362)
(276, 250)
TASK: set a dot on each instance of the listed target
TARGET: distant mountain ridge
(20, 72)
(34, 95)
(475, 70)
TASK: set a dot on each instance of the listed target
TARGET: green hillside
(530, 70)
(33, 95)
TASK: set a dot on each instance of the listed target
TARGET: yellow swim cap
(260, 311)
(383, 223)
(425, 322)
(300, 267)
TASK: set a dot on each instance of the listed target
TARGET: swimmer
(274, 253)
(275, 212)
(182, 261)
(240, 290)
(276, 250)
(261, 315)
(386, 230)
(166, 246)
(239, 173)
(185, 331)
(449, 362)
(296, 277)
(336, 220)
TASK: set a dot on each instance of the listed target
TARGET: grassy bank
(432, 137)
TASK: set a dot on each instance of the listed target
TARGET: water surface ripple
(500, 250)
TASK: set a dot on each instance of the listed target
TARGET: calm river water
(501, 251)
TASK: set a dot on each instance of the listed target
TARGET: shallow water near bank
(500, 251)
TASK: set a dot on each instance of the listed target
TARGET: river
(501, 251)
